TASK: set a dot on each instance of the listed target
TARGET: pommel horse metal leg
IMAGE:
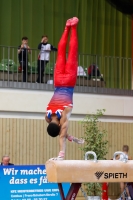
(72, 193)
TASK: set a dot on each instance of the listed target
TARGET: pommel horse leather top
(81, 171)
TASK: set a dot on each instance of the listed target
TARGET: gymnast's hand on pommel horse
(65, 74)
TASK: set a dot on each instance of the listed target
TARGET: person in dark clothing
(6, 161)
(23, 51)
(44, 56)
(93, 70)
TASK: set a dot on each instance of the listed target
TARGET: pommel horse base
(84, 171)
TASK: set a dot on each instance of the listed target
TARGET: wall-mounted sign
(27, 182)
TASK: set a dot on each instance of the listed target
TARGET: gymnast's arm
(63, 132)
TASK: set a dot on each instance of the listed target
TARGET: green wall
(102, 29)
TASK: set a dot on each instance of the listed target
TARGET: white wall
(32, 104)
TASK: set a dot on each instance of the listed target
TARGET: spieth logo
(98, 174)
(110, 175)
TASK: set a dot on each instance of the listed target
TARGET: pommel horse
(85, 171)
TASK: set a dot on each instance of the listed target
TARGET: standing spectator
(44, 56)
(23, 51)
(6, 161)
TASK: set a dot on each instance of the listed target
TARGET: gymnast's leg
(61, 56)
(72, 61)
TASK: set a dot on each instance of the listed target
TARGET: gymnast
(65, 74)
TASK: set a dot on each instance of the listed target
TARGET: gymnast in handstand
(65, 74)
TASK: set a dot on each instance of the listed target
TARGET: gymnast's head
(53, 129)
